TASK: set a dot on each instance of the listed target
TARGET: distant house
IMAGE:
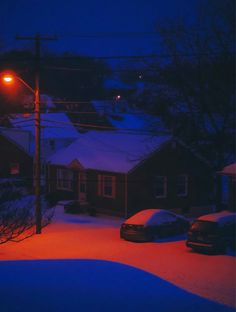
(230, 173)
(121, 173)
(16, 160)
(111, 114)
(56, 130)
(18, 141)
(121, 115)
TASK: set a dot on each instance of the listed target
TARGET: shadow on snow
(91, 285)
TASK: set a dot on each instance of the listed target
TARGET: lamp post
(9, 79)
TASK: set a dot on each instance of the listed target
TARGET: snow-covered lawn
(161, 276)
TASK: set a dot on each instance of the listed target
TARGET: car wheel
(221, 249)
(162, 233)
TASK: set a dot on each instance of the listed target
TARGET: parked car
(149, 224)
(213, 232)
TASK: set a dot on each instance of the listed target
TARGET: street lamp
(8, 78)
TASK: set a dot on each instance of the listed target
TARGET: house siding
(11, 153)
(114, 206)
(57, 193)
(170, 161)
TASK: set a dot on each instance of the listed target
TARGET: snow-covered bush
(11, 189)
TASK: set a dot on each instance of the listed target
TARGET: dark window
(82, 182)
(160, 186)
(106, 186)
(182, 185)
(64, 179)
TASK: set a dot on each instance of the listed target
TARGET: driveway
(97, 238)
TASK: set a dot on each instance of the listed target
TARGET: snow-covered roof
(221, 217)
(113, 151)
(151, 217)
(229, 170)
(21, 138)
(113, 83)
(122, 116)
(53, 125)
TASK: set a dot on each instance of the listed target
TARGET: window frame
(164, 194)
(62, 183)
(102, 186)
(186, 185)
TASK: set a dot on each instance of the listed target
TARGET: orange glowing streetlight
(7, 78)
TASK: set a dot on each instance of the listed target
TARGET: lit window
(106, 186)
(14, 168)
(64, 179)
(182, 185)
(160, 186)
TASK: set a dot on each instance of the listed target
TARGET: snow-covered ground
(79, 263)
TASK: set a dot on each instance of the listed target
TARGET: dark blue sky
(70, 18)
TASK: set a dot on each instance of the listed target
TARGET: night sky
(110, 24)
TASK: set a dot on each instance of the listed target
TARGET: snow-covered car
(149, 224)
(213, 232)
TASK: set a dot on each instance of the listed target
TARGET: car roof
(144, 217)
(221, 217)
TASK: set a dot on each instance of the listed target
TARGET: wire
(137, 70)
(136, 57)
(22, 121)
(131, 131)
(96, 127)
(79, 124)
(108, 34)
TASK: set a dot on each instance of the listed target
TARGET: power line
(132, 131)
(94, 126)
(108, 34)
(136, 57)
(136, 70)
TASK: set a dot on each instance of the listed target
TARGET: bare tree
(193, 87)
(17, 219)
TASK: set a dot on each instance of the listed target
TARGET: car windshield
(204, 226)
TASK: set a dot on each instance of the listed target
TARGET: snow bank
(92, 285)
(85, 237)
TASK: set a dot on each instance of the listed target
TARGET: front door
(82, 187)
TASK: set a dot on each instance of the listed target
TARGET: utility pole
(37, 163)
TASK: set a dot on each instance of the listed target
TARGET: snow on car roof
(151, 216)
(113, 151)
(221, 217)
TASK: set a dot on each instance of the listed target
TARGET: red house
(121, 173)
(16, 160)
